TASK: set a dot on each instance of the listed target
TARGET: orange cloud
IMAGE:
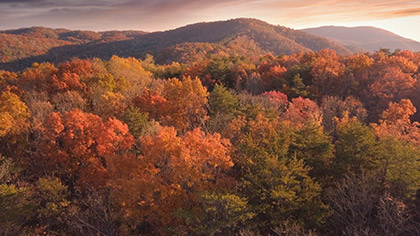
(407, 12)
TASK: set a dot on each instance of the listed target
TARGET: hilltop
(248, 37)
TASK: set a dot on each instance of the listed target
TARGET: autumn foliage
(308, 143)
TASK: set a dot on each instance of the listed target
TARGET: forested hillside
(237, 37)
(311, 143)
(36, 41)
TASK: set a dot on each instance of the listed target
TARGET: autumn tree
(393, 84)
(7, 79)
(68, 101)
(107, 104)
(76, 147)
(14, 114)
(53, 207)
(36, 77)
(152, 103)
(83, 68)
(259, 135)
(403, 63)
(68, 76)
(301, 111)
(181, 103)
(40, 108)
(130, 71)
(389, 81)
(170, 174)
(334, 107)
(358, 65)
(272, 73)
(328, 73)
(277, 99)
(395, 121)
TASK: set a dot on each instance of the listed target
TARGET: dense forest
(312, 143)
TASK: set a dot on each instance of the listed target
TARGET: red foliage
(279, 99)
(301, 111)
(78, 144)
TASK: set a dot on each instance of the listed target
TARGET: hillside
(37, 41)
(268, 38)
(247, 37)
(364, 38)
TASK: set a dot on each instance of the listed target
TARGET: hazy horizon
(100, 15)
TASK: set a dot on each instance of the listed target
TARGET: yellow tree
(186, 100)
(130, 71)
(13, 114)
(180, 104)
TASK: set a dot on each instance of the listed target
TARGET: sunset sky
(399, 16)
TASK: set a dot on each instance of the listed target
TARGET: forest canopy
(312, 143)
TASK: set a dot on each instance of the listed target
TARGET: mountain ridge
(235, 37)
(365, 37)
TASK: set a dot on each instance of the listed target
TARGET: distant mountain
(364, 38)
(36, 41)
(249, 37)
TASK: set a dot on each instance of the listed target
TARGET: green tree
(279, 190)
(137, 121)
(220, 70)
(299, 89)
(223, 107)
(54, 208)
(278, 186)
(400, 167)
(17, 209)
(356, 146)
(311, 144)
(221, 100)
(219, 214)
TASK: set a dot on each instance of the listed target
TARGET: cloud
(163, 14)
(302, 12)
(406, 12)
(18, 1)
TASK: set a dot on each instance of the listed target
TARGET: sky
(399, 16)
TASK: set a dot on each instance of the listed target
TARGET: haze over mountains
(364, 38)
(248, 37)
